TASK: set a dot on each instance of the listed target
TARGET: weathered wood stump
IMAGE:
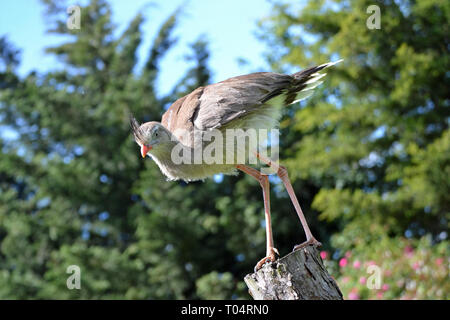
(299, 275)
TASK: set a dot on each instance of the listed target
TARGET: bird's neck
(163, 152)
(167, 157)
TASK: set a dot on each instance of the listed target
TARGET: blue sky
(228, 25)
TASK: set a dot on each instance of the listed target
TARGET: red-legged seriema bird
(252, 101)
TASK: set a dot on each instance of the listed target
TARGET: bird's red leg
(271, 252)
(283, 174)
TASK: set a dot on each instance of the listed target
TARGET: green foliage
(74, 190)
(369, 159)
(375, 142)
(409, 269)
(199, 74)
(216, 286)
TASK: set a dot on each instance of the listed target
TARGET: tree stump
(299, 275)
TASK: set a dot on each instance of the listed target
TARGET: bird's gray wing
(179, 118)
(233, 98)
(217, 104)
(236, 97)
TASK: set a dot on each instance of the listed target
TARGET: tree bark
(299, 275)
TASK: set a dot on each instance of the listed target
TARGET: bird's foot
(270, 258)
(310, 242)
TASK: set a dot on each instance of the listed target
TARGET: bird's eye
(156, 134)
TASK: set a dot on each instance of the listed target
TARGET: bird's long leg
(283, 174)
(271, 252)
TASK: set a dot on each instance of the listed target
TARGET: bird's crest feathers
(137, 131)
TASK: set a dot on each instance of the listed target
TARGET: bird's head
(150, 135)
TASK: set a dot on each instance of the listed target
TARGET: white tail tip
(329, 64)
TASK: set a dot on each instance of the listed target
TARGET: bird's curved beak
(145, 149)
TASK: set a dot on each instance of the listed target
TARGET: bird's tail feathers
(305, 81)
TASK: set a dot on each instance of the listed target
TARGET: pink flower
(348, 254)
(353, 296)
(323, 254)
(356, 264)
(362, 280)
(388, 273)
(369, 263)
(343, 262)
(415, 265)
(385, 287)
(380, 295)
(409, 251)
(345, 279)
(439, 261)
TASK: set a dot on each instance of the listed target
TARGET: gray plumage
(249, 101)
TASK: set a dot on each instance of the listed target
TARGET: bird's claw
(270, 258)
(310, 242)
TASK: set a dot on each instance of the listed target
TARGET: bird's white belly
(266, 119)
(193, 172)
